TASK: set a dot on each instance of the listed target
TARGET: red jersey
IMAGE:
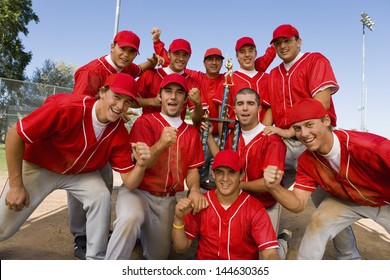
(59, 136)
(210, 88)
(170, 170)
(90, 77)
(237, 233)
(149, 87)
(364, 176)
(260, 152)
(305, 78)
(258, 83)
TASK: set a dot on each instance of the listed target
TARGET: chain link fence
(19, 98)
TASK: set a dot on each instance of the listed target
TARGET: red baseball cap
(122, 83)
(244, 41)
(227, 158)
(127, 38)
(213, 51)
(174, 78)
(307, 109)
(284, 30)
(180, 45)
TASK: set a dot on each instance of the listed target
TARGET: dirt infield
(46, 236)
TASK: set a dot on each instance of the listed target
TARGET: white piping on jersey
(105, 66)
(246, 157)
(85, 137)
(169, 156)
(230, 220)
(21, 129)
(97, 147)
(86, 142)
(347, 169)
(248, 80)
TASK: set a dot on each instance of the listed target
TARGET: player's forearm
(133, 178)
(213, 146)
(155, 152)
(14, 150)
(193, 180)
(267, 119)
(256, 186)
(288, 199)
(145, 102)
(197, 114)
(147, 65)
(180, 241)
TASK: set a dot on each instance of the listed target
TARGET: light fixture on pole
(367, 22)
(118, 7)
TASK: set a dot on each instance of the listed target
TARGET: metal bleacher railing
(19, 98)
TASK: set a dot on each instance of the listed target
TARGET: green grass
(3, 164)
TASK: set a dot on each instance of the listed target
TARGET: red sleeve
(133, 70)
(304, 180)
(144, 83)
(42, 122)
(274, 152)
(86, 83)
(143, 131)
(262, 229)
(192, 225)
(263, 62)
(161, 51)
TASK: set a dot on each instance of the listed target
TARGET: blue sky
(77, 31)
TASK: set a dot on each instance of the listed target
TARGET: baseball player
(257, 151)
(353, 167)
(149, 83)
(61, 145)
(246, 76)
(124, 49)
(234, 227)
(176, 154)
(88, 80)
(301, 75)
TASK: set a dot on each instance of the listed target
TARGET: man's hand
(156, 60)
(199, 201)
(183, 207)
(156, 32)
(194, 96)
(272, 177)
(17, 198)
(284, 133)
(141, 153)
(127, 116)
(168, 136)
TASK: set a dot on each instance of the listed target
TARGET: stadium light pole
(367, 22)
(118, 7)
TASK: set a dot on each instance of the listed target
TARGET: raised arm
(180, 240)
(141, 154)
(294, 201)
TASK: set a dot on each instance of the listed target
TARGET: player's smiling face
(179, 60)
(315, 134)
(112, 106)
(172, 98)
(287, 48)
(213, 64)
(247, 111)
(122, 56)
(227, 181)
(246, 57)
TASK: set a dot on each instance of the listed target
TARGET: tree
(15, 15)
(54, 73)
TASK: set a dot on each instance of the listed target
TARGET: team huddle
(185, 188)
